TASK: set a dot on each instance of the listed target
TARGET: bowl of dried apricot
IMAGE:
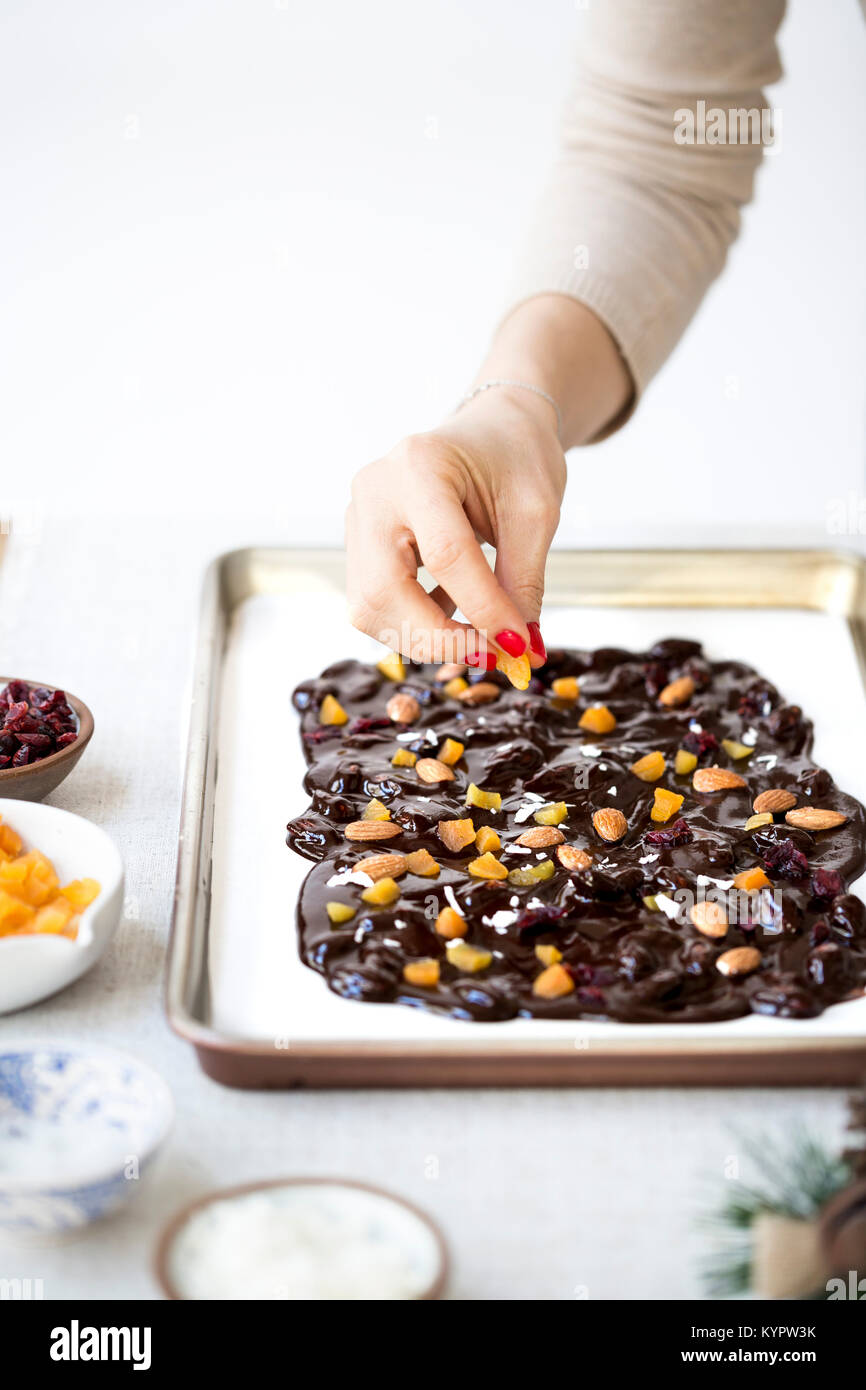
(61, 894)
(43, 733)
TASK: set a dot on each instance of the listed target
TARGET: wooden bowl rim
(174, 1225)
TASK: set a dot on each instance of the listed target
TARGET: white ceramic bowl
(32, 967)
(79, 1128)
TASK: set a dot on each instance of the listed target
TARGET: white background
(233, 269)
(236, 266)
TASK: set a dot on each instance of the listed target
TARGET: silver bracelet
(521, 386)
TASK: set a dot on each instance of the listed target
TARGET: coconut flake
(500, 921)
(750, 738)
(452, 901)
(525, 812)
(648, 859)
(667, 905)
(591, 750)
(703, 879)
(350, 876)
(611, 791)
(695, 727)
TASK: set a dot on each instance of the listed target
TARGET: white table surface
(557, 1194)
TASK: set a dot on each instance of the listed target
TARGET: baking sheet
(260, 990)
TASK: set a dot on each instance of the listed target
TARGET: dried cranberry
(364, 726)
(322, 735)
(700, 743)
(538, 916)
(680, 833)
(655, 678)
(785, 859)
(757, 701)
(826, 883)
(820, 932)
(785, 721)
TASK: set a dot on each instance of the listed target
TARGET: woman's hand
(494, 472)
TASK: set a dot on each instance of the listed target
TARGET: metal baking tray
(776, 582)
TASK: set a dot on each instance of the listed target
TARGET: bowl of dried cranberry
(43, 733)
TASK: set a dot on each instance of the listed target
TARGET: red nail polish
(510, 642)
(487, 660)
(536, 641)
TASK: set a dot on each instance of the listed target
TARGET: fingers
(447, 545)
(387, 602)
(523, 543)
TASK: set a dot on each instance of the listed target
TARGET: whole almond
(610, 823)
(709, 918)
(740, 960)
(716, 779)
(678, 692)
(403, 709)
(431, 770)
(449, 672)
(480, 694)
(812, 818)
(372, 830)
(774, 800)
(573, 858)
(381, 866)
(540, 836)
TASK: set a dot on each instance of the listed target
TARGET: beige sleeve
(636, 221)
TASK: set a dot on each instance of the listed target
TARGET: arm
(633, 229)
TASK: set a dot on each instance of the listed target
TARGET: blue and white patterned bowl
(79, 1127)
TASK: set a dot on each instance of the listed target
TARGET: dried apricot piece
(565, 688)
(422, 863)
(382, 893)
(553, 982)
(487, 801)
(487, 840)
(665, 805)
(450, 924)
(456, 834)
(339, 912)
(332, 712)
(451, 752)
(392, 666)
(755, 822)
(650, 767)
(737, 750)
(423, 972)
(554, 814)
(548, 955)
(487, 866)
(403, 758)
(376, 810)
(685, 762)
(598, 719)
(455, 687)
(469, 958)
(515, 668)
(750, 880)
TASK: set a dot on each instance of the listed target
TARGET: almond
(540, 836)
(572, 858)
(403, 709)
(382, 866)
(449, 672)
(716, 779)
(740, 960)
(431, 770)
(709, 918)
(372, 830)
(610, 823)
(776, 799)
(678, 692)
(479, 694)
(813, 818)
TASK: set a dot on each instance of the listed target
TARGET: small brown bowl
(35, 780)
(179, 1220)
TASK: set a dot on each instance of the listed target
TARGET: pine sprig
(795, 1180)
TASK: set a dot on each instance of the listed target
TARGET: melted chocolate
(628, 962)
